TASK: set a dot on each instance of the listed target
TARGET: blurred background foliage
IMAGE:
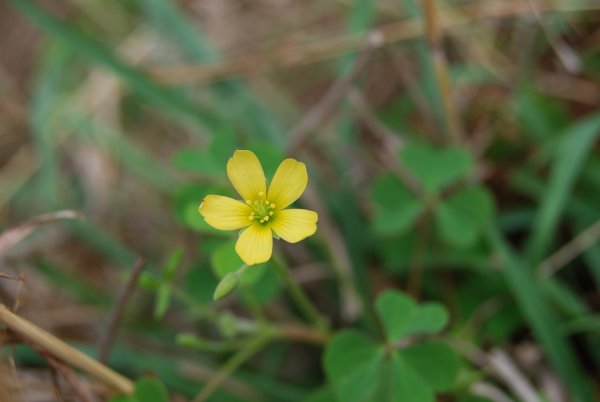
(452, 156)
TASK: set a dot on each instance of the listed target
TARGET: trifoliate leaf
(353, 363)
(396, 208)
(439, 372)
(463, 217)
(436, 168)
(402, 317)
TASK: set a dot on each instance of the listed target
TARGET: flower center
(262, 209)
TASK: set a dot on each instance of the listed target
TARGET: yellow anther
(271, 213)
(272, 205)
(266, 218)
(248, 202)
(251, 218)
(260, 194)
(266, 202)
(262, 220)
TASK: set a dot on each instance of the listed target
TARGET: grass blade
(578, 141)
(542, 320)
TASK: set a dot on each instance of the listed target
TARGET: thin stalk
(302, 301)
(249, 350)
(49, 343)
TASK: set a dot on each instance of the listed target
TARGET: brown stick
(105, 342)
(78, 386)
(61, 350)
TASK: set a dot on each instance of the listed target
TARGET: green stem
(302, 301)
(249, 350)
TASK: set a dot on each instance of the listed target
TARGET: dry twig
(55, 347)
(105, 342)
(78, 385)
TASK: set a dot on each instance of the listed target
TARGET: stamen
(251, 217)
(266, 202)
(271, 213)
(272, 205)
(248, 202)
(260, 194)
(266, 218)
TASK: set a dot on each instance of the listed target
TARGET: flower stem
(302, 301)
(245, 353)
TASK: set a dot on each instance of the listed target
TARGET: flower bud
(228, 284)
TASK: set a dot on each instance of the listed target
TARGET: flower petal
(255, 244)
(293, 225)
(288, 184)
(224, 213)
(246, 174)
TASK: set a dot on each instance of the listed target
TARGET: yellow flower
(262, 212)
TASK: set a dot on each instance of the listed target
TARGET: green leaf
(173, 262)
(406, 384)
(435, 362)
(436, 168)
(163, 299)
(322, 395)
(210, 161)
(150, 390)
(146, 390)
(200, 283)
(396, 209)
(462, 218)
(352, 363)
(402, 317)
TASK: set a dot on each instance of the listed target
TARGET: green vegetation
(452, 157)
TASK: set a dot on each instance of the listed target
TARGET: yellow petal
(224, 213)
(293, 225)
(288, 183)
(255, 244)
(246, 174)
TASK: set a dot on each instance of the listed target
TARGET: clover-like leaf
(402, 317)
(438, 372)
(462, 218)
(209, 161)
(353, 363)
(436, 168)
(150, 390)
(396, 209)
(146, 390)
(360, 370)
